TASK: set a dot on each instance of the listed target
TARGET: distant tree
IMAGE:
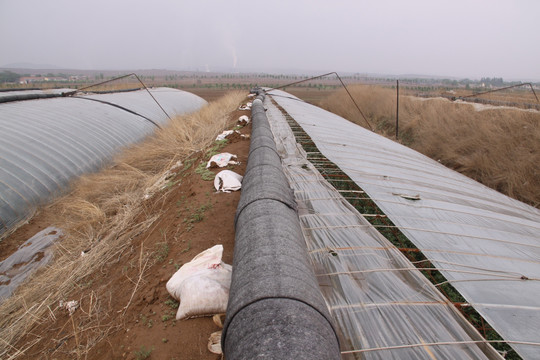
(9, 77)
(493, 81)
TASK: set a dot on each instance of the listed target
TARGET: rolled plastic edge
(22, 97)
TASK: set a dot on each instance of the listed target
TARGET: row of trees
(9, 77)
(493, 81)
(246, 86)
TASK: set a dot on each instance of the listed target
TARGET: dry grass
(127, 83)
(519, 96)
(497, 147)
(103, 213)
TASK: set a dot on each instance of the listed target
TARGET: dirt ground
(125, 311)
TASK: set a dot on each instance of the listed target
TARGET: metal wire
(320, 76)
(503, 88)
(119, 78)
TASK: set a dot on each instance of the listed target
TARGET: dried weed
(497, 147)
(102, 214)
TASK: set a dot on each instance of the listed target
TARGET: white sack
(224, 135)
(227, 181)
(246, 106)
(202, 285)
(243, 120)
(221, 160)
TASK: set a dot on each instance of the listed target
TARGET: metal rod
(397, 109)
(342, 83)
(503, 88)
(149, 93)
(355, 104)
(532, 89)
(122, 77)
(301, 81)
(103, 82)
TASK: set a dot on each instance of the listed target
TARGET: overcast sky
(459, 38)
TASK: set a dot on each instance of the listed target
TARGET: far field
(214, 84)
(497, 146)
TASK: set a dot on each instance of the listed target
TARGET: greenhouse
(46, 142)
(484, 243)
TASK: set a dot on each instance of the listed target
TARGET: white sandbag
(214, 343)
(243, 120)
(231, 134)
(224, 135)
(247, 106)
(227, 181)
(202, 285)
(221, 160)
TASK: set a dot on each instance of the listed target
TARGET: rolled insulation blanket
(275, 310)
(21, 97)
(262, 141)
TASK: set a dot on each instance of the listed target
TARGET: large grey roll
(271, 258)
(261, 119)
(262, 131)
(262, 141)
(276, 309)
(263, 156)
(264, 183)
(280, 329)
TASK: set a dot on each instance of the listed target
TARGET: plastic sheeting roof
(45, 143)
(486, 244)
(382, 304)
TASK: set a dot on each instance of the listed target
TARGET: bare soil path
(125, 311)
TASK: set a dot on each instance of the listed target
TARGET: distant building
(29, 79)
(54, 78)
(34, 79)
(78, 78)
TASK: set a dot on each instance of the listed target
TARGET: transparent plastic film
(484, 243)
(47, 142)
(383, 306)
